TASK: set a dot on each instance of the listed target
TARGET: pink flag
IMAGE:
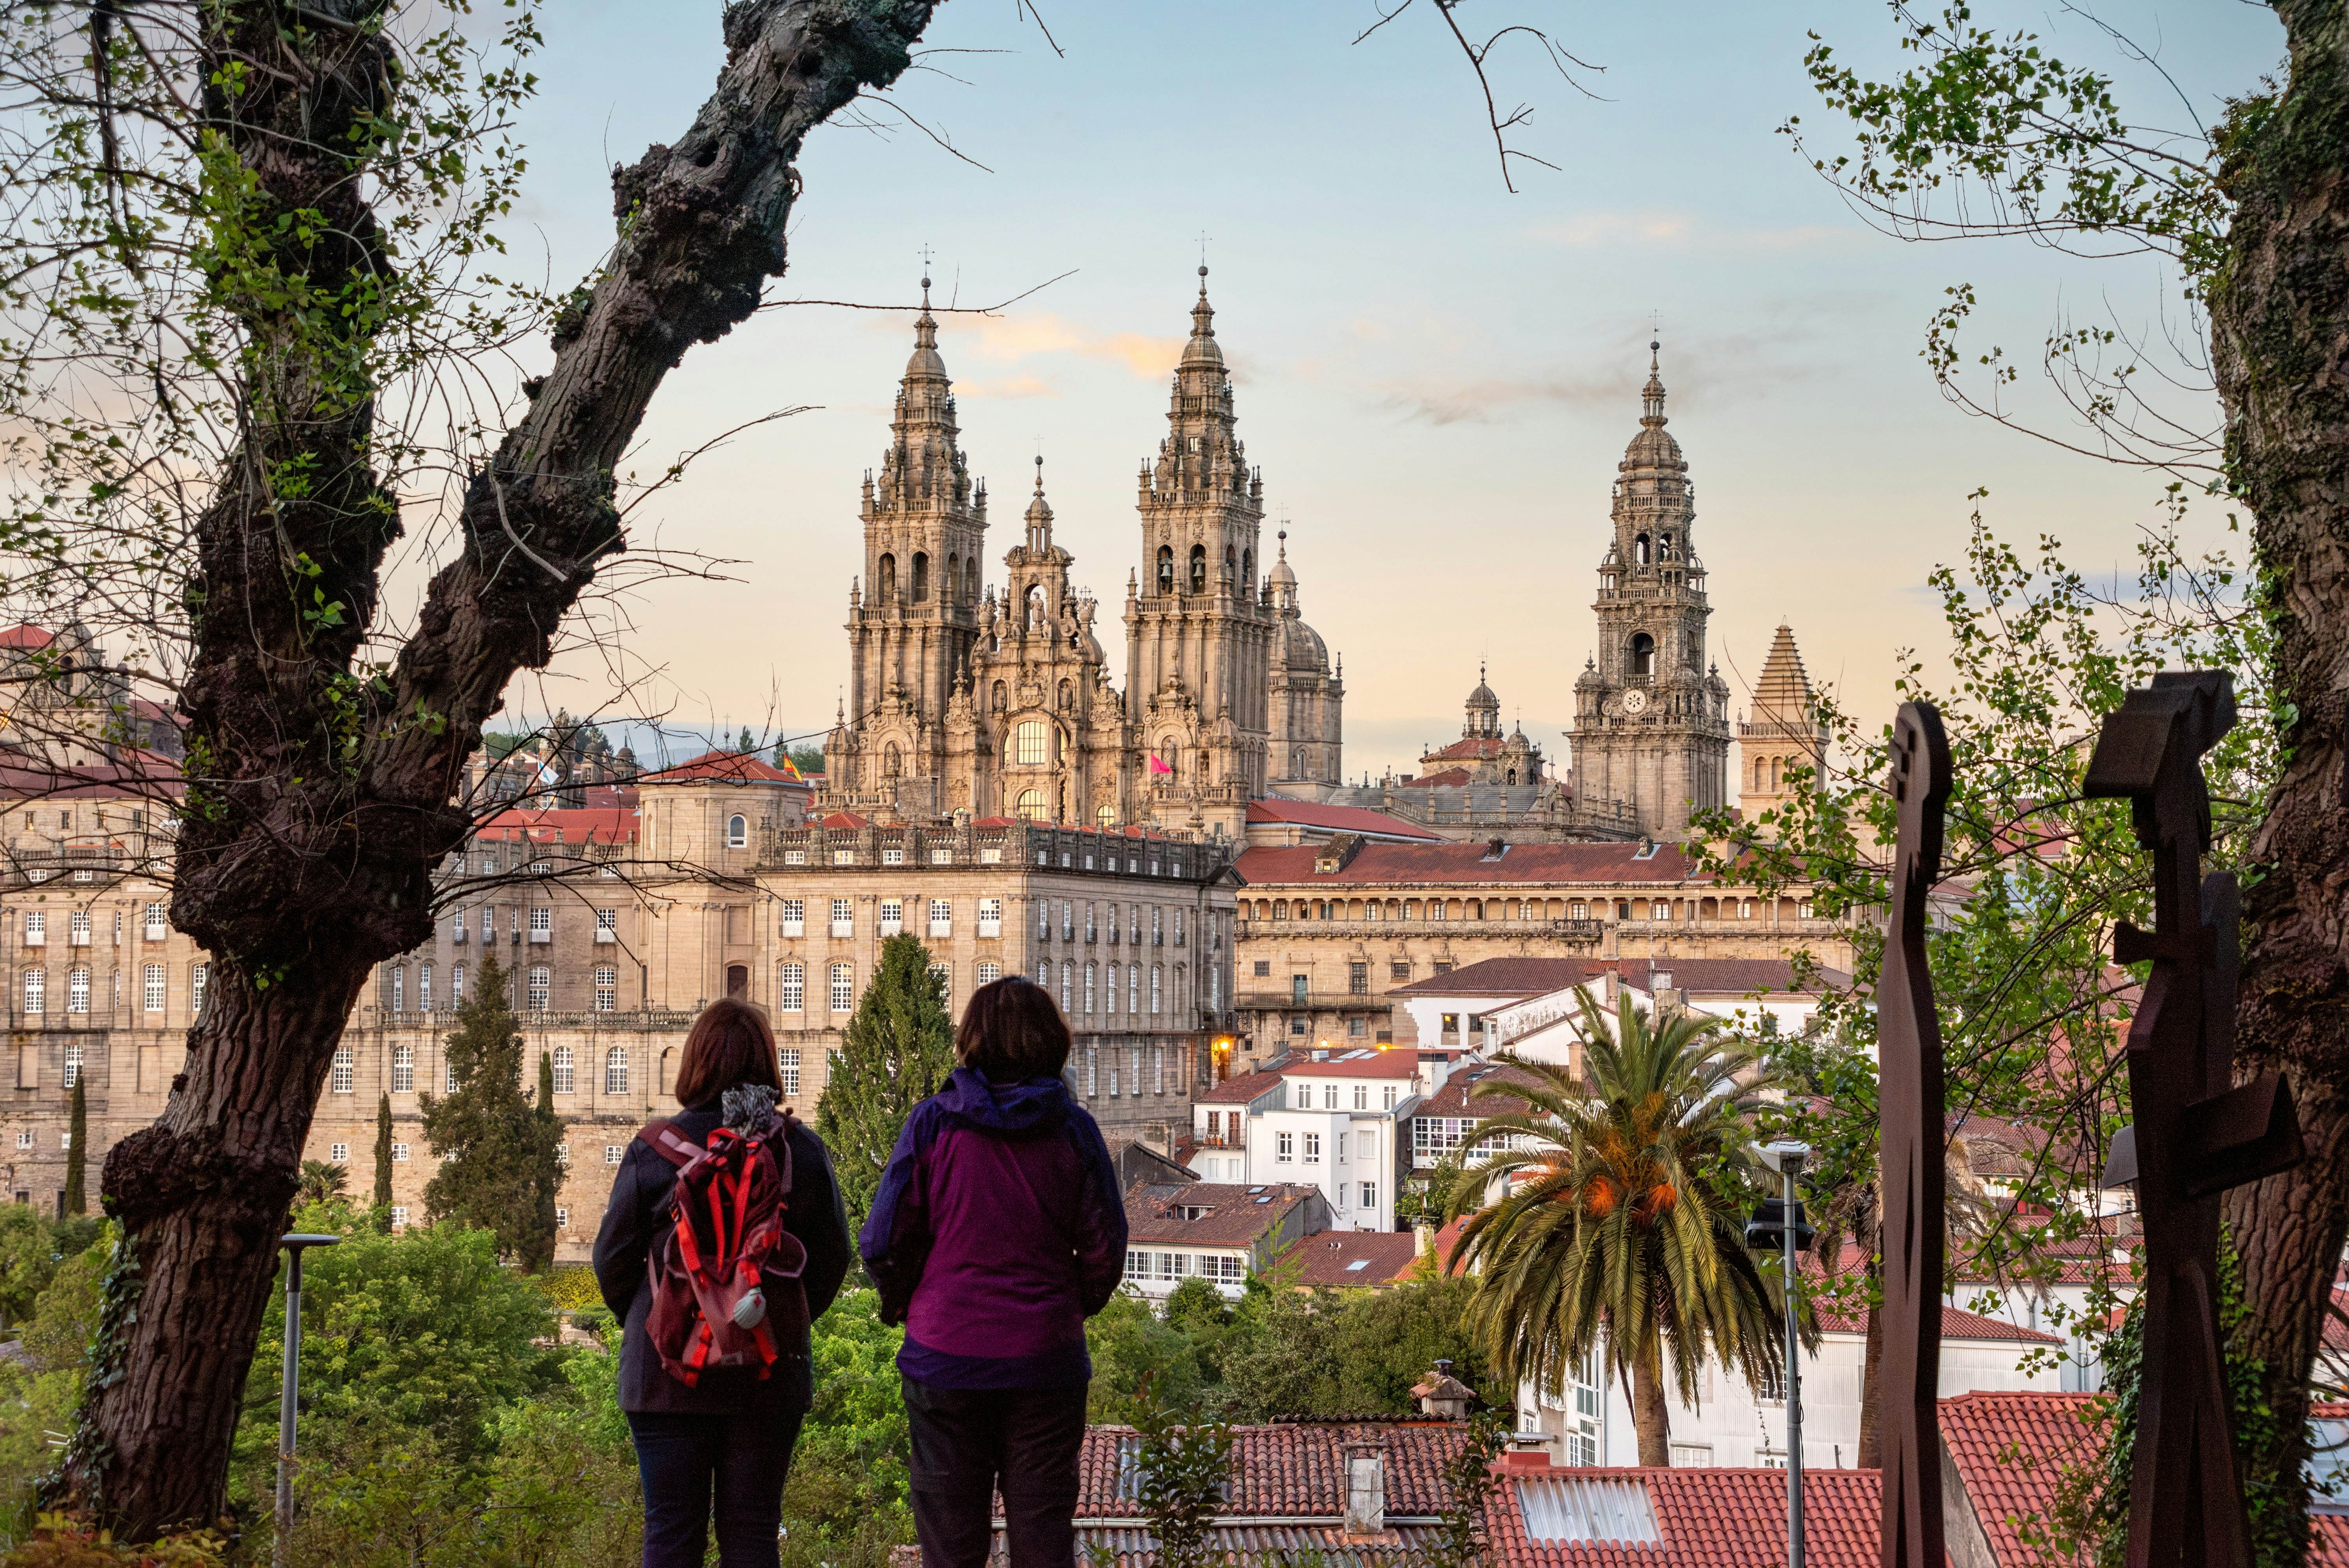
(1159, 766)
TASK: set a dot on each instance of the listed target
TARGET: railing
(640, 1020)
(1176, 853)
(1312, 1001)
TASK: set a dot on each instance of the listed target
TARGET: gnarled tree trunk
(319, 801)
(2279, 321)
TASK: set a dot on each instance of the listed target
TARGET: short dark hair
(732, 1043)
(1011, 1028)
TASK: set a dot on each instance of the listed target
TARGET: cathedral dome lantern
(1483, 709)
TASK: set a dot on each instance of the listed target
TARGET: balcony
(37, 938)
(538, 937)
(942, 927)
(79, 939)
(606, 934)
(1571, 933)
(990, 928)
(1311, 1001)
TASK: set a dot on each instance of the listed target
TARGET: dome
(1298, 647)
(1202, 349)
(1483, 698)
(1282, 575)
(925, 360)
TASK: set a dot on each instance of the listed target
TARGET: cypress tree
(540, 1252)
(76, 1152)
(499, 1152)
(383, 1153)
(900, 1048)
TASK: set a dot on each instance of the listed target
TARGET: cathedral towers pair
(963, 699)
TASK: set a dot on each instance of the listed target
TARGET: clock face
(1635, 700)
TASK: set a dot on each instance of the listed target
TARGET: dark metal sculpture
(1909, 1100)
(2196, 1133)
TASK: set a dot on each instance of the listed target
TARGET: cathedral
(996, 699)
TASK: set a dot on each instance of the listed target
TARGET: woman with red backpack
(997, 1230)
(724, 1240)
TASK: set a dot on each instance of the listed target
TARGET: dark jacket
(633, 1221)
(998, 1229)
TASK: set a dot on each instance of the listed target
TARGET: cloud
(1011, 338)
(1478, 403)
(1663, 229)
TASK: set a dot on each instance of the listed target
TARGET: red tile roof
(1703, 1518)
(1238, 1214)
(1476, 747)
(727, 767)
(1408, 864)
(1365, 1061)
(1344, 819)
(846, 819)
(26, 637)
(1344, 1258)
(1454, 1099)
(1540, 976)
(1448, 776)
(1239, 1091)
(2013, 1452)
(577, 825)
(1292, 1470)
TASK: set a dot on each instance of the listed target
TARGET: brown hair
(732, 1043)
(1011, 1028)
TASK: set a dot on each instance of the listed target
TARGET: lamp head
(1786, 1156)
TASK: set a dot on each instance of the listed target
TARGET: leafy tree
(383, 1153)
(28, 1256)
(1386, 1341)
(321, 1179)
(1279, 1359)
(77, 1150)
(1183, 1469)
(1132, 1348)
(848, 1489)
(64, 1314)
(501, 1153)
(807, 759)
(1988, 132)
(899, 1048)
(1620, 1215)
(425, 1331)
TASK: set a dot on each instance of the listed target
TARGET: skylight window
(1613, 1510)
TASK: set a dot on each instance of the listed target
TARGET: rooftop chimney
(1442, 1395)
(1366, 1488)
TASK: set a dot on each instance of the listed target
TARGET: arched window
(1068, 696)
(1165, 569)
(76, 1001)
(953, 584)
(893, 764)
(1198, 569)
(563, 1071)
(1002, 696)
(1106, 815)
(1644, 654)
(1036, 608)
(1639, 550)
(1777, 771)
(1231, 563)
(970, 579)
(1248, 569)
(616, 1070)
(1027, 744)
(921, 576)
(1031, 805)
(738, 826)
(888, 579)
(791, 993)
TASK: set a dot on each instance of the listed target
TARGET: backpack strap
(662, 1138)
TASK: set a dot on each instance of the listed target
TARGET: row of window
(153, 988)
(1285, 1145)
(542, 923)
(1369, 909)
(992, 855)
(154, 928)
(342, 1077)
(1358, 1096)
(790, 983)
(537, 988)
(1125, 1076)
(893, 917)
(1159, 924)
(1217, 1268)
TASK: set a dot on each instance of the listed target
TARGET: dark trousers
(684, 1461)
(966, 1444)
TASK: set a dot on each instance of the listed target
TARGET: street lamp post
(295, 1245)
(1790, 1158)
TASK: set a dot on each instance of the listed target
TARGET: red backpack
(726, 1276)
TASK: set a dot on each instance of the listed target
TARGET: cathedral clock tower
(1651, 714)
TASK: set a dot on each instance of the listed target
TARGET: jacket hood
(1026, 1108)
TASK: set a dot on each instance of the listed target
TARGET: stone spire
(1040, 515)
(924, 465)
(1202, 457)
(1783, 695)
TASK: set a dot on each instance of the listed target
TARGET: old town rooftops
(1336, 818)
(1409, 865)
(1362, 1062)
(585, 825)
(1523, 977)
(1240, 1090)
(724, 767)
(1211, 1213)
(1351, 1258)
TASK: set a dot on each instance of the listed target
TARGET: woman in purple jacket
(997, 1231)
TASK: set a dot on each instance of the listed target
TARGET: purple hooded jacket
(997, 1230)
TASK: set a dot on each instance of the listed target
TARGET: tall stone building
(1784, 734)
(998, 700)
(1651, 714)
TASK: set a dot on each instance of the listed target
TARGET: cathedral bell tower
(913, 622)
(1199, 626)
(1651, 727)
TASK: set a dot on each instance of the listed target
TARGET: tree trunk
(2280, 332)
(1652, 1418)
(1870, 1453)
(319, 801)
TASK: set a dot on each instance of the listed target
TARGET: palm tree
(1620, 1214)
(322, 1180)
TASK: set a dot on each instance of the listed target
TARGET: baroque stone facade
(998, 700)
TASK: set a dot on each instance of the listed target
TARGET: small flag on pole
(1160, 765)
